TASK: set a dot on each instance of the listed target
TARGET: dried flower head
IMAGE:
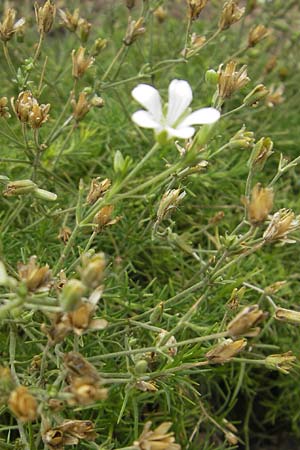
(275, 96)
(97, 190)
(196, 43)
(19, 187)
(257, 34)
(231, 80)
(78, 367)
(160, 14)
(195, 7)
(158, 439)
(84, 28)
(70, 432)
(38, 115)
(80, 107)
(45, 16)
(70, 20)
(245, 321)
(85, 391)
(64, 234)
(258, 93)
(81, 320)
(168, 203)
(35, 277)
(4, 111)
(8, 26)
(23, 404)
(283, 362)
(231, 14)
(225, 351)
(282, 224)
(260, 204)
(29, 111)
(104, 218)
(81, 63)
(135, 29)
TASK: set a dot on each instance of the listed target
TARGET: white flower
(176, 119)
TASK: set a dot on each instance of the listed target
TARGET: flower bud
(104, 218)
(97, 102)
(99, 45)
(262, 150)
(70, 21)
(71, 294)
(45, 16)
(23, 404)
(160, 14)
(231, 80)
(45, 195)
(156, 315)
(211, 77)
(225, 351)
(244, 322)
(282, 362)
(287, 315)
(141, 366)
(257, 94)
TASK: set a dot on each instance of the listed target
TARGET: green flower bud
(211, 77)
(71, 294)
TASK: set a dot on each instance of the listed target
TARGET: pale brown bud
(231, 14)
(160, 14)
(8, 26)
(71, 294)
(260, 204)
(81, 319)
(78, 366)
(242, 139)
(231, 438)
(225, 351)
(23, 105)
(69, 432)
(195, 7)
(35, 277)
(283, 362)
(81, 107)
(135, 29)
(99, 45)
(92, 269)
(80, 62)
(159, 439)
(97, 102)
(45, 16)
(4, 111)
(282, 223)
(245, 321)
(23, 404)
(257, 34)
(97, 189)
(69, 20)
(258, 93)
(231, 80)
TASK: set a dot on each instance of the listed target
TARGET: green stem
(8, 59)
(110, 67)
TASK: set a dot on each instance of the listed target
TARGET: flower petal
(201, 116)
(149, 98)
(181, 133)
(180, 97)
(145, 119)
